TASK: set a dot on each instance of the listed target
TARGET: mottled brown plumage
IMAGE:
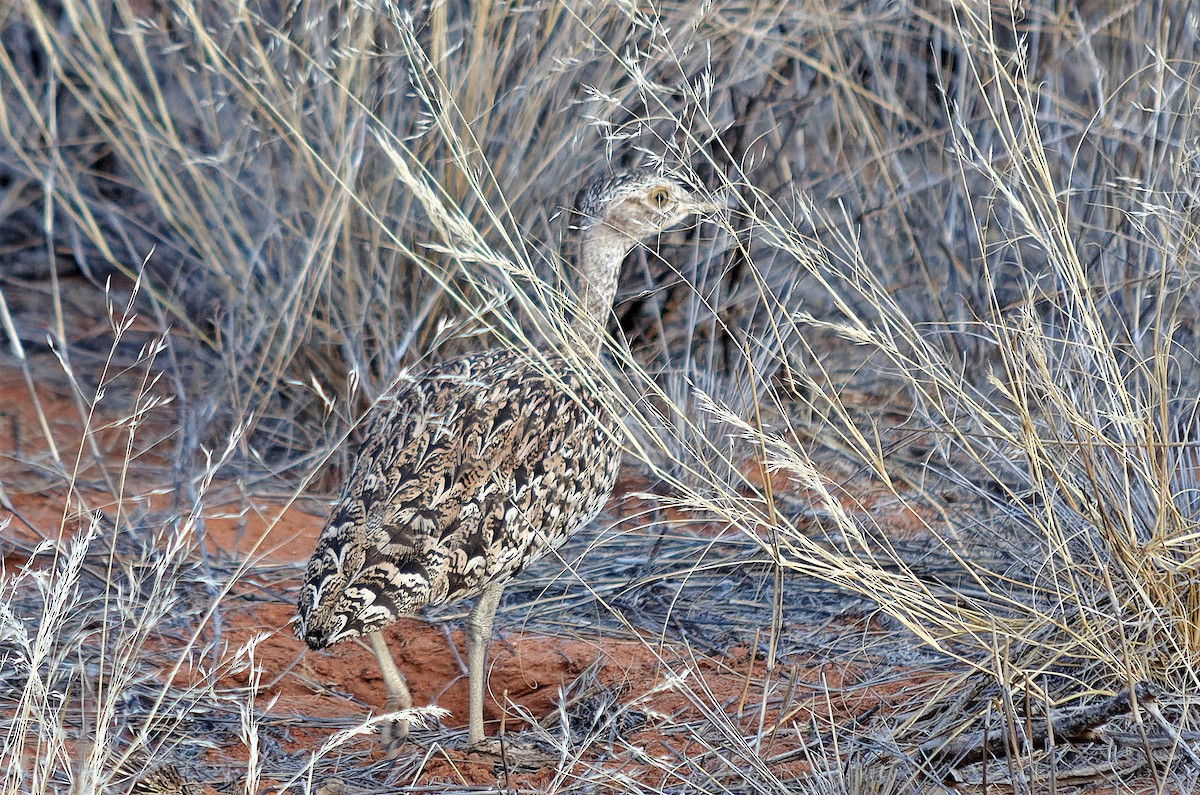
(475, 468)
(478, 466)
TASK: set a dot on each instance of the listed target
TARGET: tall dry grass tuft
(1065, 407)
(240, 144)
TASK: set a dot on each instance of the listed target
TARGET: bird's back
(473, 470)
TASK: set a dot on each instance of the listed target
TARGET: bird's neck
(598, 259)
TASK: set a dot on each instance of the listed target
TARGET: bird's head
(639, 205)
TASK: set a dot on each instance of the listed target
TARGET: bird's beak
(713, 206)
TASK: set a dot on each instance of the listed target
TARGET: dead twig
(1076, 728)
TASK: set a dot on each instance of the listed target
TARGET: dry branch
(1076, 728)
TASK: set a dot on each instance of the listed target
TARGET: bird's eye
(660, 197)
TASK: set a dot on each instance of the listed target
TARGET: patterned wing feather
(474, 470)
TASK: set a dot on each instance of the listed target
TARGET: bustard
(480, 465)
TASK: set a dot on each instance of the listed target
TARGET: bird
(479, 465)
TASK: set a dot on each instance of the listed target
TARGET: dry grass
(958, 288)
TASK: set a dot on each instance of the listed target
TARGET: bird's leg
(398, 697)
(479, 634)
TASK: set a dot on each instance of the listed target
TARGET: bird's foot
(393, 734)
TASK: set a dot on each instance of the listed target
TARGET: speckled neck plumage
(598, 256)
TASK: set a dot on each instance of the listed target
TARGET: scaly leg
(398, 697)
(479, 635)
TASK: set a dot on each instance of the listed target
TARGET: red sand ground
(525, 668)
